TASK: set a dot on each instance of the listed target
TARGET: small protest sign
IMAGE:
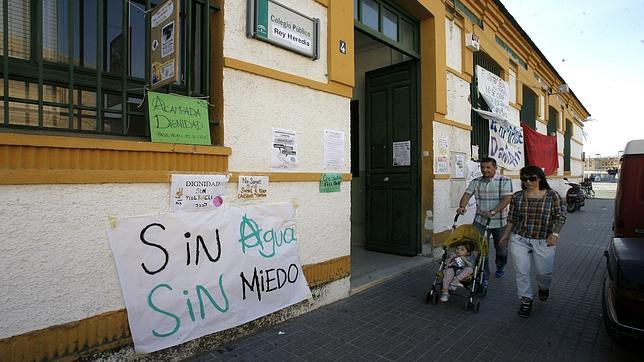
(178, 119)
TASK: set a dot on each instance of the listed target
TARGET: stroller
(472, 285)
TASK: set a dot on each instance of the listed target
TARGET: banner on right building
(541, 150)
(506, 145)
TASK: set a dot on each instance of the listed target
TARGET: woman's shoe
(544, 294)
(525, 308)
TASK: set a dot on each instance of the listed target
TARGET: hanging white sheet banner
(186, 275)
(494, 90)
(506, 145)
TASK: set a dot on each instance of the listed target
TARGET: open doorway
(385, 116)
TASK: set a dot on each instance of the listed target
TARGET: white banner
(506, 145)
(494, 90)
(186, 275)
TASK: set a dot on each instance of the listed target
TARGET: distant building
(600, 165)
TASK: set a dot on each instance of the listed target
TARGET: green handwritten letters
(177, 119)
(330, 182)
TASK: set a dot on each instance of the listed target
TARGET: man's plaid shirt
(488, 194)
(536, 218)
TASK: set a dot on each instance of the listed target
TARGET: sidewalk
(392, 322)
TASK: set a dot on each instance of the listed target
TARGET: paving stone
(391, 321)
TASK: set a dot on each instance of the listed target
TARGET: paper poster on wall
(459, 165)
(178, 119)
(167, 39)
(443, 146)
(506, 145)
(475, 152)
(184, 276)
(284, 150)
(441, 165)
(164, 42)
(333, 149)
(189, 193)
(330, 182)
(252, 187)
(402, 153)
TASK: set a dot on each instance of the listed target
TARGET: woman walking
(536, 216)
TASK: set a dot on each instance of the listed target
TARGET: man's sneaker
(544, 294)
(499, 272)
(525, 308)
(455, 284)
(444, 297)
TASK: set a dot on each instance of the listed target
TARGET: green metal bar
(126, 64)
(38, 28)
(70, 55)
(147, 43)
(189, 53)
(100, 12)
(205, 59)
(147, 63)
(5, 53)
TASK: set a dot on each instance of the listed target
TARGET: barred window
(80, 65)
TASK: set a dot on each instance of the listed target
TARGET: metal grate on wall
(480, 125)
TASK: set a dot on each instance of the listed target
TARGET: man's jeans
(501, 251)
(527, 252)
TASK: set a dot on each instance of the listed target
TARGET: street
(392, 322)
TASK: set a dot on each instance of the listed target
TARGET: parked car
(623, 290)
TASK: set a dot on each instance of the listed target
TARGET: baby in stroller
(458, 266)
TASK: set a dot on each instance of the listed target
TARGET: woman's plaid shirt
(536, 218)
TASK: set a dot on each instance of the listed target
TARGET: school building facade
(397, 77)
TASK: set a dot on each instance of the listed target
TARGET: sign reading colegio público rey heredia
(277, 24)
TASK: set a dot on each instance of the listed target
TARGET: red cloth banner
(541, 150)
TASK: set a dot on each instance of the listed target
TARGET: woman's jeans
(527, 252)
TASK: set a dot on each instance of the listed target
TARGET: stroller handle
(455, 220)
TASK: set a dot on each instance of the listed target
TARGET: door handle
(386, 179)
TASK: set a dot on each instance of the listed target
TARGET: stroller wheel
(476, 306)
(428, 296)
(470, 303)
(484, 292)
(434, 297)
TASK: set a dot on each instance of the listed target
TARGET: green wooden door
(393, 199)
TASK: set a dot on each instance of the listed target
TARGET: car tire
(610, 329)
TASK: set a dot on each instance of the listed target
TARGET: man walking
(493, 192)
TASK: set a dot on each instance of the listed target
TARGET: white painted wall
(238, 46)
(453, 42)
(447, 193)
(253, 105)
(459, 108)
(513, 116)
(57, 264)
(56, 261)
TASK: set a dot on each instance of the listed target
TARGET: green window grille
(71, 65)
(567, 137)
(553, 118)
(389, 24)
(528, 113)
(480, 125)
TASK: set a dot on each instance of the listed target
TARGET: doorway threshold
(370, 268)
